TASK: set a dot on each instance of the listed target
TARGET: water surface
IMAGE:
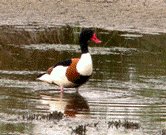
(128, 83)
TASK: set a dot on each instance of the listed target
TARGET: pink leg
(62, 90)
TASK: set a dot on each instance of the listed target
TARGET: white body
(58, 74)
(84, 66)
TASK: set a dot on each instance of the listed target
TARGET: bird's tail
(44, 77)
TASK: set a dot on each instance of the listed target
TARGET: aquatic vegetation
(51, 116)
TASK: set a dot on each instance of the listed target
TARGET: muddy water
(126, 94)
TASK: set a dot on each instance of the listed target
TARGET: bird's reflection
(70, 104)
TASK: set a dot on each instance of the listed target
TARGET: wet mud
(145, 16)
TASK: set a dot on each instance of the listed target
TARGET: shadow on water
(125, 95)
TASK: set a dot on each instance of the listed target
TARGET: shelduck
(74, 72)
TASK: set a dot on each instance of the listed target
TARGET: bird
(74, 72)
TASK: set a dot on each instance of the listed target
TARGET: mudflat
(145, 16)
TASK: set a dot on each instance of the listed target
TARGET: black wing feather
(64, 63)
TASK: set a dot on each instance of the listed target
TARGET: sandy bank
(131, 15)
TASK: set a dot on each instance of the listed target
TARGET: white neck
(84, 66)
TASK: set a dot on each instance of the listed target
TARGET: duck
(74, 72)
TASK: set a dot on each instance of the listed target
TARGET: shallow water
(128, 83)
